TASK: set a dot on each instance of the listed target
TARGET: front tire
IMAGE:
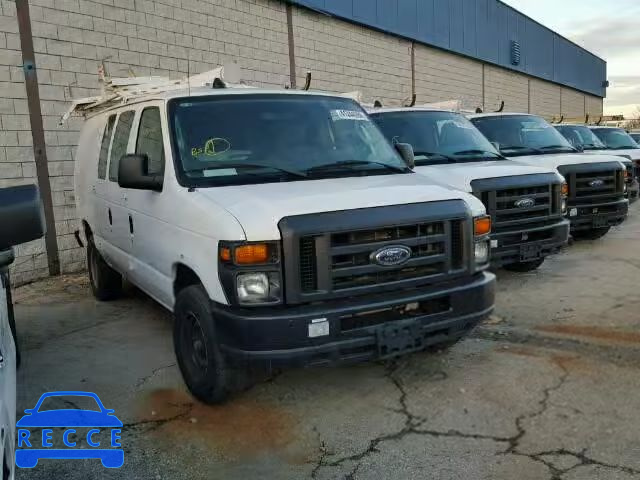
(202, 364)
(106, 283)
(593, 234)
(523, 267)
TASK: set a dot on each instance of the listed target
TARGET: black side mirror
(406, 152)
(133, 173)
(21, 215)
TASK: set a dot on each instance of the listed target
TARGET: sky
(608, 28)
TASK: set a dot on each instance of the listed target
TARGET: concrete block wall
(545, 98)
(175, 37)
(441, 76)
(594, 105)
(573, 103)
(503, 85)
(344, 57)
(142, 37)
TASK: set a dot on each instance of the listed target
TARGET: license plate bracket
(399, 338)
(600, 221)
(530, 252)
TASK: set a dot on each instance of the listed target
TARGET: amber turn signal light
(565, 189)
(482, 226)
(225, 254)
(251, 254)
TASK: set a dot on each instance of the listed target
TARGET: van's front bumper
(359, 328)
(528, 244)
(589, 217)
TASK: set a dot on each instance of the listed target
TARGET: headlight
(482, 252)
(258, 287)
(563, 205)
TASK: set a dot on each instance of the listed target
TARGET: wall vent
(515, 53)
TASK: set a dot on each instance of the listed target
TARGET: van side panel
(86, 167)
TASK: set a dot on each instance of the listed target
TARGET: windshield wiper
(349, 164)
(222, 166)
(558, 147)
(481, 153)
(432, 156)
(518, 147)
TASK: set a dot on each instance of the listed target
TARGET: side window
(150, 140)
(104, 147)
(120, 141)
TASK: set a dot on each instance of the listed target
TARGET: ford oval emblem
(525, 203)
(391, 256)
(596, 183)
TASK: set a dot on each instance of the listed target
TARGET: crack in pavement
(543, 405)
(142, 380)
(323, 454)
(583, 460)
(411, 426)
(413, 422)
(155, 424)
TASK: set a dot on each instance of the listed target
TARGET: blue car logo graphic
(27, 455)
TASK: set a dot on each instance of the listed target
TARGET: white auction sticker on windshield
(348, 115)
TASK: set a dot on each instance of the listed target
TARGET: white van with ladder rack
(279, 226)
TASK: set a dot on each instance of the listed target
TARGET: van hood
(629, 153)
(258, 208)
(460, 175)
(555, 160)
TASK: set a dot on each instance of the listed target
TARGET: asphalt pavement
(548, 388)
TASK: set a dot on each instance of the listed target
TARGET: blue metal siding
(481, 29)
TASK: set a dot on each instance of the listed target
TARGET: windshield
(615, 138)
(580, 136)
(522, 135)
(240, 139)
(436, 137)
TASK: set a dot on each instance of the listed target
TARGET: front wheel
(106, 283)
(523, 267)
(202, 364)
(593, 234)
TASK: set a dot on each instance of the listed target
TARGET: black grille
(436, 248)
(586, 188)
(351, 254)
(308, 266)
(331, 255)
(515, 208)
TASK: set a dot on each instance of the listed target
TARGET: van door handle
(110, 217)
(1, 361)
(130, 225)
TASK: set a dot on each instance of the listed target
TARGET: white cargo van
(584, 138)
(597, 183)
(279, 226)
(526, 203)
